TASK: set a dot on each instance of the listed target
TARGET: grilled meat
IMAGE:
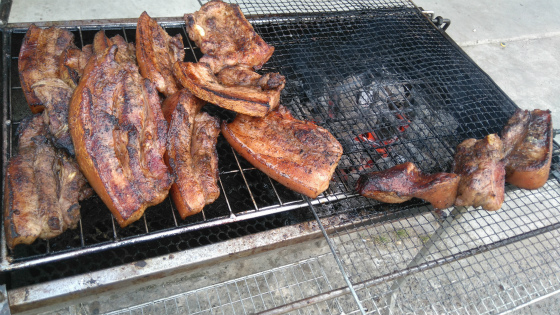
(528, 148)
(126, 52)
(225, 37)
(43, 187)
(156, 53)
(39, 59)
(191, 153)
(482, 168)
(238, 89)
(298, 154)
(55, 96)
(405, 181)
(72, 64)
(119, 135)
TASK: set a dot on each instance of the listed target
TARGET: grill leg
(424, 251)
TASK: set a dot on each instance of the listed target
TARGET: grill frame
(334, 224)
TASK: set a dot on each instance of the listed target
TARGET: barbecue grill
(391, 86)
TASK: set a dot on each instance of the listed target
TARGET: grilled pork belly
(225, 37)
(156, 53)
(482, 168)
(191, 153)
(237, 88)
(405, 181)
(55, 96)
(298, 154)
(119, 135)
(39, 59)
(43, 187)
(73, 62)
(126, 52)
(528, 148)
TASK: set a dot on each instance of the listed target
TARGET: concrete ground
(516, 42)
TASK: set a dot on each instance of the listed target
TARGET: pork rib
(405, 181)
(298, 154)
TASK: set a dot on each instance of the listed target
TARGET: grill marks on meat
(482, 168)
(528, 148)
(43, 187)
(156, 53)
(225, 37)
(191, 153)
(39, 59)
(298, 154)
(405, 181)
(119, 134)
(55, 96)
(237, 89)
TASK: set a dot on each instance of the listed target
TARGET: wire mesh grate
(259, 292)
(391, 88)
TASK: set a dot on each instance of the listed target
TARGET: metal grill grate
(392, 88)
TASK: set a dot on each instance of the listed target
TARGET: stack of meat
(127, 117)
(521, 156)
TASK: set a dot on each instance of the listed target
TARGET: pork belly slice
(225, 37)
(191, 153)
(405, 181)
(43, 188)
(298, 154)
(235, 88)
(39, 59)
(126, 52)
(73, 62)
(528, 148)
(482, 168)
(55, 95)
(119, 135)
(156, 53)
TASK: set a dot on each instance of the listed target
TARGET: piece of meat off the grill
(43, 187)
(119, 133)
(191, 153)
(480, 163)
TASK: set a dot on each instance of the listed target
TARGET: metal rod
(333, 250)
(6, 113)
